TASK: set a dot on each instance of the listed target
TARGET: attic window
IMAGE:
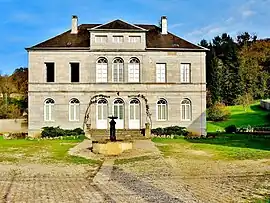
(100, 38)
(69, 44)
(176, 45)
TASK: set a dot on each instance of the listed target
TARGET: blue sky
(25, 23)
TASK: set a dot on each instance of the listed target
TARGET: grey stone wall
(63, 90)
(265, 104)
(13, 125)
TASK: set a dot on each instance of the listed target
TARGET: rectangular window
(101, 72)
(101, 39)
(185, 72)
(134, 39)
(49, 72)
(75, 72)
(161, 72)
(118, 39)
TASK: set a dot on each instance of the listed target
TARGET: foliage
(58, 132)
(218, 112)
(9, 111)
(19, 135)
(237, 68)
(230, 129)
(245, 100)
(172, 130)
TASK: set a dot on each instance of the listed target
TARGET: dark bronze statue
(112, 128)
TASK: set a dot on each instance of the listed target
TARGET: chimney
(164, 25)
(74, 25)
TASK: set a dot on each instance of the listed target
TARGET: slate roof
(154, 38)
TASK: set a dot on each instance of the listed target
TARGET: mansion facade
(124, 67)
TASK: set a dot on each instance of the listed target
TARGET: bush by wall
(57, 132)
(173, 130)
(218, 112)
(231, 129)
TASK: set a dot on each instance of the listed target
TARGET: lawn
(254, 116)
(40, 151)
(224, 147)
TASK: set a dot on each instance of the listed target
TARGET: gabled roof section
(154, 38)
(118, 25)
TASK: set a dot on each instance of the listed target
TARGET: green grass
(225, 146)
(40, 151)
(254, 116)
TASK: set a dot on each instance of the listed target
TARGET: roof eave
(178, 49)
(116, 30)
(56, 48)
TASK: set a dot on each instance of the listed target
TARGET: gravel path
(48, 183)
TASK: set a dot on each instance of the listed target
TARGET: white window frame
(103, 104)
(165, 106)
(102, 66)
(185, 72)
(134, 39)
(75, 103)
(134, 70)
(186, 103)
(116, 39)
(101, 39)
(117, 103)
(161, 72)
(48, 103)
(116, 67)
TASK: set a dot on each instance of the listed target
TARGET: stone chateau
(123, 67)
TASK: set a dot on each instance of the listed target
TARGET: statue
(112, 128)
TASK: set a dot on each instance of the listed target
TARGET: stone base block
(111, 148)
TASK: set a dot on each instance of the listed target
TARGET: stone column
(147, 130)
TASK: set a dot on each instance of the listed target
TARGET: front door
(102, 107)
(134, 114)
(118, 110)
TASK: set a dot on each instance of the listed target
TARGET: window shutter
(77, 115)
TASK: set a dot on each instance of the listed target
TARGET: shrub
(218, 112)
(172, 130)
(57, 132)
(19, 135)
(230, 129)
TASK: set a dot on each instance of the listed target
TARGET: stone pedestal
(147, 130)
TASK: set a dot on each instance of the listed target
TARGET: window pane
(46, 112)
(137, 112)
(71, 108)
(77, 117)
(50, 72)
(115, 110)
(99, 112)
(183, 112)
(132, 112)
(163, 112)
(159, 112)
(75, 72)
(121, 112)
(104, 111)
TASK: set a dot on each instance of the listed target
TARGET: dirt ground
(195, 177)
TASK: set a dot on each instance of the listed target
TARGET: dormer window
(100, 38)
(118, 39)
(134, 39)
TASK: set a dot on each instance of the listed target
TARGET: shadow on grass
(237, 140)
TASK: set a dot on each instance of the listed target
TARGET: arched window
(101, 70)
(48, 109)
(134, 111)
(134, 70)
(162, 110)
(118, 70)
(186, 110)
(118, 109)
(74, 110)
(102, 109)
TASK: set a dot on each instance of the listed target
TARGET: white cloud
(247, 13)
(176, 25)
